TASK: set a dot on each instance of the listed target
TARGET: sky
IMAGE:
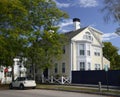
(89, 13)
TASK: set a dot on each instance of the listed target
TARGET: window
(88, 52)
(81, 49)
(63, 49)
(88, 49)
(97, 66)
(89, 66)
(63, 67)
(97, 52)
(88, 36)
(82, 66)
(9, 74)
(56, 68)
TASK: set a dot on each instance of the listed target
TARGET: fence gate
(59, 80)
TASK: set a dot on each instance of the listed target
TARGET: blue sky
(89, 12)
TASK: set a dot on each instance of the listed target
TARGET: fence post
(99, 84)
(51, 79)
(43, 78)
(62, 80)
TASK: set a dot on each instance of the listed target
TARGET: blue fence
(112, 77)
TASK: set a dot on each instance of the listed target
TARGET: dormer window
(88, 36)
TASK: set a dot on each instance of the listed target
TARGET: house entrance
(45, 73)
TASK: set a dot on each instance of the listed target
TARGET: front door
(45, 73)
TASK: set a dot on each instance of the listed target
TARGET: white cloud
(66, 22)
(77, 3)
(109, 36)
(65, 25)
(88, 3)
(60, 5)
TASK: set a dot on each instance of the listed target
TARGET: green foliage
(25, 31)
(111, 53)
(48, 47)
(11, 28)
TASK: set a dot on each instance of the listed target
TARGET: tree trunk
(12, 72)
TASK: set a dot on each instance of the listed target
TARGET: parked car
(23, 82)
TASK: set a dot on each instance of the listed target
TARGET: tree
(12, 23)
(112, 9)
(111, 53)
(44, 40)
(13, 27)
(23, 25)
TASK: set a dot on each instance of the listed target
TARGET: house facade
(83, 52)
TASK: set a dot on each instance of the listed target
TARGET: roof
(71, 34)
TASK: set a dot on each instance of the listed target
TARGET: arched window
(87, 36)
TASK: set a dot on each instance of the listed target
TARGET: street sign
(106, 67)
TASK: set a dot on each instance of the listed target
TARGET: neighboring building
(83, 52)
(6, 72)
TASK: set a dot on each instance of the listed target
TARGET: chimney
(76, 22)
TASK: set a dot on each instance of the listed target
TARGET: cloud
(65, 25)
(77, 3)
(61, 5)
(109, 36)
(66, 22)
(88, 3)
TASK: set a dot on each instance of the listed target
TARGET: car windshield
(23, 78)
(29, 78)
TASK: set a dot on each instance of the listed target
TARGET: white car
(23, 82)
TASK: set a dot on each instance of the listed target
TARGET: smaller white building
(6, 72)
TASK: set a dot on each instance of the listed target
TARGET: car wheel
(33, 87)
(10, 86)
(21, 86)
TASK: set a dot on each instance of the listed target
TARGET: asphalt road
(43, 93)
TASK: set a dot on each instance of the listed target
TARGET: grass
(3, 86)
(76, 89)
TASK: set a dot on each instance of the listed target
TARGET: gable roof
(92, 30)
(71, 34)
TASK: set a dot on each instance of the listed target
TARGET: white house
(83, 52)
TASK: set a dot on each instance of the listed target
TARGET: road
(43, 93)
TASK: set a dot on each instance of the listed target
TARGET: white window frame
(97, 66)
(89, 66)
(82, 66)
(81, 49)
(88, 36)
(56, 68)
(88, 50)
(97, 52)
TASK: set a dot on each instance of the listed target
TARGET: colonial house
(83, 52)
